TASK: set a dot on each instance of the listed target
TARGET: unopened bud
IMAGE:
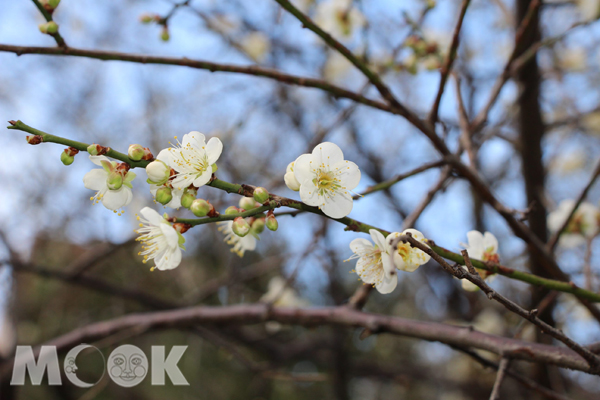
(135, 152)
(97, 150)
(272, 223)
(189, 195)
(147, 18)
(258, 225)
(158, 172)
(261, 194)
(114, 181)
(34, 139)
(164, 195)
(240, 227)
(200, 207)
(247, 203)
(164, 35)
(49, 28)
(232, 210)
(50, 5)
(66, 158)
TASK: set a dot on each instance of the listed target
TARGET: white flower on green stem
(405, 257)
(240, 244)
(101, 179)
(339, 18)
(374, 263)
(192, 159)
(160, 241)
(583, 226)
(326, 179)
(482, 247)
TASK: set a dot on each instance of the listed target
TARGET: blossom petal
(348, 173)
(115, 199)
(378, 239)
(194, 139)
(152, 216)
(202, 179)
(98, 160)
(490, 242)
(169, 260)
(95, 179)
(170, 235)
(387, 284)
(360, 246)
(214, 147)
(338, 206)
(309, 193)
(303, 169)
(168, 157)
(327, 153)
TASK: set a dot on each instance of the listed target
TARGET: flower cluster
(583, 225)
(378, 261)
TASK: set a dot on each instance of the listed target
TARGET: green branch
(48, 17)
(351, 224)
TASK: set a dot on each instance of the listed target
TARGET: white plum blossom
(256, 45)
(176, 193)
(160, 241)
(158, 171)
(97, 179)
(583, 225)
(339, 18)
(326, 179)
(374, 263)
(240, 244)
(482, 247)
(282, 295)
(290, 178)
(405, 257)
(192, 159)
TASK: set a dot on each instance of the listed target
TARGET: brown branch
(335, 91)
(531, 316)
(502, 369)
(447, 67)
(339, 316)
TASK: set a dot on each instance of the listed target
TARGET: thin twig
(504, 364)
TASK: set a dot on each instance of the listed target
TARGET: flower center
(326, 182)
(404, 250)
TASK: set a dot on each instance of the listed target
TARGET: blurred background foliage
(78, 261)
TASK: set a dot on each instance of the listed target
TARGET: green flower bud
(49, 27)
(232, 210)
(240, 227)
(114, 181)
(147, 18)
(164, 195)
(200, 207)
(247, 203)
(164, 35)
(187, 198)
(66, 158)
(258, 225)
(158, 172)
(93, 149)
(135, 152)
(53, 3)
(261, 194)
(272, 223)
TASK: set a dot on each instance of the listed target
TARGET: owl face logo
(127, 365)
